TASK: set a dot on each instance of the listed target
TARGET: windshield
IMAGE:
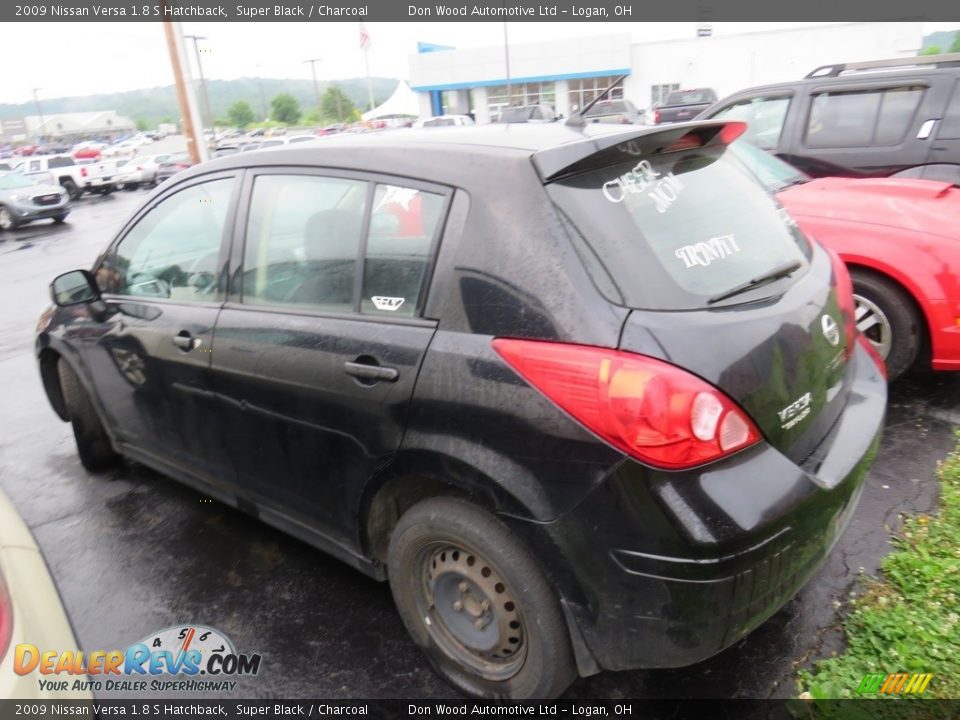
(773, 172)
(14, 182)
(678, 229)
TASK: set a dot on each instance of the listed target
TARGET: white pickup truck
(76, 177)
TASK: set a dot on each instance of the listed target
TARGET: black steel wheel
(476, 600)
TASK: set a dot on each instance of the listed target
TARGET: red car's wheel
(888, 318)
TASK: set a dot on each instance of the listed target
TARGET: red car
(901, 240)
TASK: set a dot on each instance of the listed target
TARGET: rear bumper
(671, 568)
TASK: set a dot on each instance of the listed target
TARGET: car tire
(888, 317)
(7, 220)
(72, 190)
(453, 566)
(60, 219)
(93, 444)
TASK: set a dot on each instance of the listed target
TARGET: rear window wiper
(778, 272)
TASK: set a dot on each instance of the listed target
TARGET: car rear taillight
(844, 288)
(655, 412)
(139, 168)
(83, 172)
(872, 352)
(6, 619)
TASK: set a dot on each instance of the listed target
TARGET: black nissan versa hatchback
(587, 397)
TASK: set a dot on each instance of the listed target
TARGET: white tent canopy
(404, 101)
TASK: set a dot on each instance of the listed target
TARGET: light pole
(36, 100)
(208, 119)
(316, 85)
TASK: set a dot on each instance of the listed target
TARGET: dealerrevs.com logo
(182, 658)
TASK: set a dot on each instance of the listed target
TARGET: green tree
(285, 109)
(335, 105)
(142, 125)
(931, 50)
(240, 114)
(955, 45)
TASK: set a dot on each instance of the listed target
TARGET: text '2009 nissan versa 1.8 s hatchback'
(586, 396)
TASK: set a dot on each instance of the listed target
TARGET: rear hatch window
(680, 230)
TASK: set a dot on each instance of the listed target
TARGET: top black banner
(513, 11)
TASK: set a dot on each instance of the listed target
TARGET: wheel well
(925, 332)
(398, 495)
(49, 359)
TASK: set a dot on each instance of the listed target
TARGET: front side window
(172, 251)
(303, 240)
(764, 117)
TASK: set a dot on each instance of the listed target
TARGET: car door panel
(301, 427)
(149, 347)
(316, 354)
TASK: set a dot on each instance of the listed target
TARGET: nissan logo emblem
(830, 330)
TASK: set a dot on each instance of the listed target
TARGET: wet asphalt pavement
(133, 552)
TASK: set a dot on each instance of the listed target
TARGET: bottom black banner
(886, 709)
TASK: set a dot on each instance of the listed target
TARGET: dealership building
(570, 72)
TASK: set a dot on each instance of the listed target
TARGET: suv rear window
(690, 97)
(679, 229)
(59, 162)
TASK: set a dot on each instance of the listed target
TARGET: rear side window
(402, 227)
(303, 238)
(679, 229)
(950, 125)
(862, 117)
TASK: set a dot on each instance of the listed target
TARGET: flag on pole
(364, 37)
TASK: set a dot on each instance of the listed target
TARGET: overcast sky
(114, 57)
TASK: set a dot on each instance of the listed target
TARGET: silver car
(23, 199)
(139, 171)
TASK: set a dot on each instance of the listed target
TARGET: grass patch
(908, 620)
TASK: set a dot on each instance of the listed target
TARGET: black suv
(588, 398)
(873, 119)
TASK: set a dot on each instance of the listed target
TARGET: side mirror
(77, 287)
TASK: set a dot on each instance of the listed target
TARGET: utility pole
(208, 119)
(36, 101)
(191, 121)
(316, 85)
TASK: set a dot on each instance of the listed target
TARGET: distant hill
(943, 39)
(159, 104)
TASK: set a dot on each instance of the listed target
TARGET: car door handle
(185, 341)
(371, 372)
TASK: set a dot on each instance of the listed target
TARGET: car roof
(850, 78)
(554, 147)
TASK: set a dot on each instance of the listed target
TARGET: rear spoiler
(602, 150)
